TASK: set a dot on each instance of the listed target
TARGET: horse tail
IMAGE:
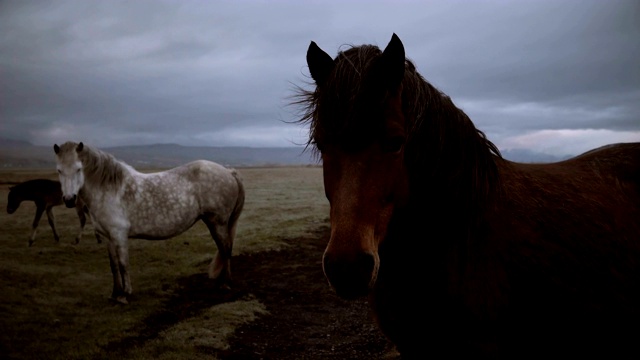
(237, 210)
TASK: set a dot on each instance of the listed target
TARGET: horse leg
(83, 222)
(119, 261)
(34, 225)
(115, 271)
(98, 237)
(220, 267)
(52, 222)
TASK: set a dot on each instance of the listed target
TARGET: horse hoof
(119, 300)
(220, 284)
(224, 287)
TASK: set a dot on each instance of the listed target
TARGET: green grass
(53, 297)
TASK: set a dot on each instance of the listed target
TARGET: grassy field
(54, 303)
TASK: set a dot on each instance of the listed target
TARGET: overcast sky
(559, 77)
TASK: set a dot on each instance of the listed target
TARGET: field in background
(54, 303)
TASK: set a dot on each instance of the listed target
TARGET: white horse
(124, 203)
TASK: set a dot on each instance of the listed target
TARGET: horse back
(555, 259)
(221, 186)
(567, 236)
(207, 183)
(209, 173)
(41, 191)
(595, 195)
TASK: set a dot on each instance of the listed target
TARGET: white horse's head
(70, 172)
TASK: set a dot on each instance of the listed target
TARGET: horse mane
(443, 149)
(446, 150)
(98, 166)
(103, 168)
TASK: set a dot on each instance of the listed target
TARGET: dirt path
(307, 320)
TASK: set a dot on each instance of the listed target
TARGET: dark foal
(45, 194)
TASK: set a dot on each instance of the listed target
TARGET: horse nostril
(350, 277)
(70, 201)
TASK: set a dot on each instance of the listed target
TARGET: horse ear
(393, 59)
(80, 147)
(56, 148)
(320, 64)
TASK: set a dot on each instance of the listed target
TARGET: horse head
(358, 127)
(69, 167)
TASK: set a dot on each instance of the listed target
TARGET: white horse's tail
(220, 267)
(239, 202)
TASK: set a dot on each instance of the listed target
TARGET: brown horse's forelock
(336, 100)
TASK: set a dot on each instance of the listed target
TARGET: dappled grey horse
(125, 203)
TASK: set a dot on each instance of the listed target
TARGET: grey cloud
(149, 71)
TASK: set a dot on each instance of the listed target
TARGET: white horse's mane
(98, 166)
(103, 168)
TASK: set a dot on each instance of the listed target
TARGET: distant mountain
(170, 155)
(13, 143)
(528, 156)
(24, 154)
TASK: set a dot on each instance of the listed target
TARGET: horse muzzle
(10, 210)
(351, 275)
(70, 201)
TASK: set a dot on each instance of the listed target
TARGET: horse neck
(18, 194)
(25, 192)
(16, 197)
(450, 161)
(101, 171)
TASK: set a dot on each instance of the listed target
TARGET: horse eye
(77, 171)
(392, 144)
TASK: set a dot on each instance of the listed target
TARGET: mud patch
(306, 319)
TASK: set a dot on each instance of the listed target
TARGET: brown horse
(463, 252)
(45, 194)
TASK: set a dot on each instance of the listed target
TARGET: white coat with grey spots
(124, 203)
